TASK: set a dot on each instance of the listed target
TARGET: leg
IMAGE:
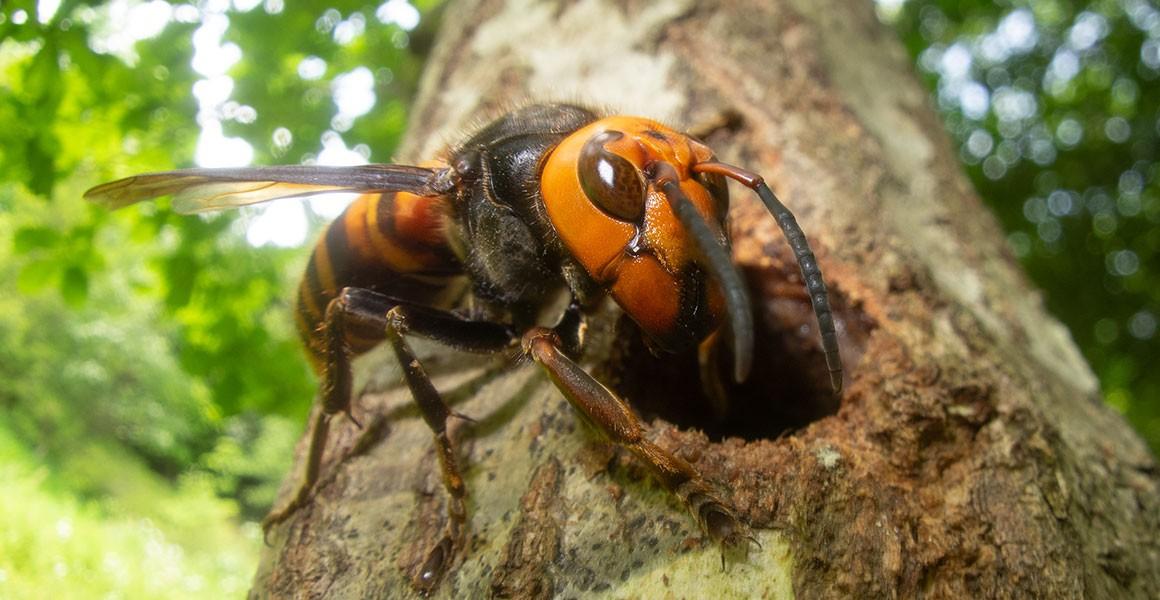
(479, 336)
(373, 316)
(335, 393)
(617, 421)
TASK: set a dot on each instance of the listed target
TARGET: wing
(201, 190)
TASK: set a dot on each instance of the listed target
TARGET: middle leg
(397, 322)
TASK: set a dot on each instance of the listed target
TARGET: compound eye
(610, 181)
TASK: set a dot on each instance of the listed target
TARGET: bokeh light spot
(1142, 325)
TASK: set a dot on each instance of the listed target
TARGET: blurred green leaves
(89, 105)
(157, 541)
(149, 360)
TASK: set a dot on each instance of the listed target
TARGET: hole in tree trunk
(788, 388)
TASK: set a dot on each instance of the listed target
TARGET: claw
(434, 566)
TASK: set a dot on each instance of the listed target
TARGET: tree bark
(970, 455)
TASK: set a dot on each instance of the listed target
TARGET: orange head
(614, 191)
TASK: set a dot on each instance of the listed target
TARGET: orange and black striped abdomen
(390, 243)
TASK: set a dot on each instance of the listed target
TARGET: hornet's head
(644, 210)
(623, 195)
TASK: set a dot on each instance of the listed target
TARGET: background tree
(967, 457)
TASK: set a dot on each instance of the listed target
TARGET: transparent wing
(201, 190)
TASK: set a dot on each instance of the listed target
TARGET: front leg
(616, 420)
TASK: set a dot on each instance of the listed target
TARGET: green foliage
(1055, 105)
(269, 78)
(149, 364)
(252, 448)
(74, 370)
(145, 539)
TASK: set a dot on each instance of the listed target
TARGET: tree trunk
(970, 455)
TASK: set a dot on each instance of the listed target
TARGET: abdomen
(391, 243)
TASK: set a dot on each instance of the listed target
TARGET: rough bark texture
(970, 455)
